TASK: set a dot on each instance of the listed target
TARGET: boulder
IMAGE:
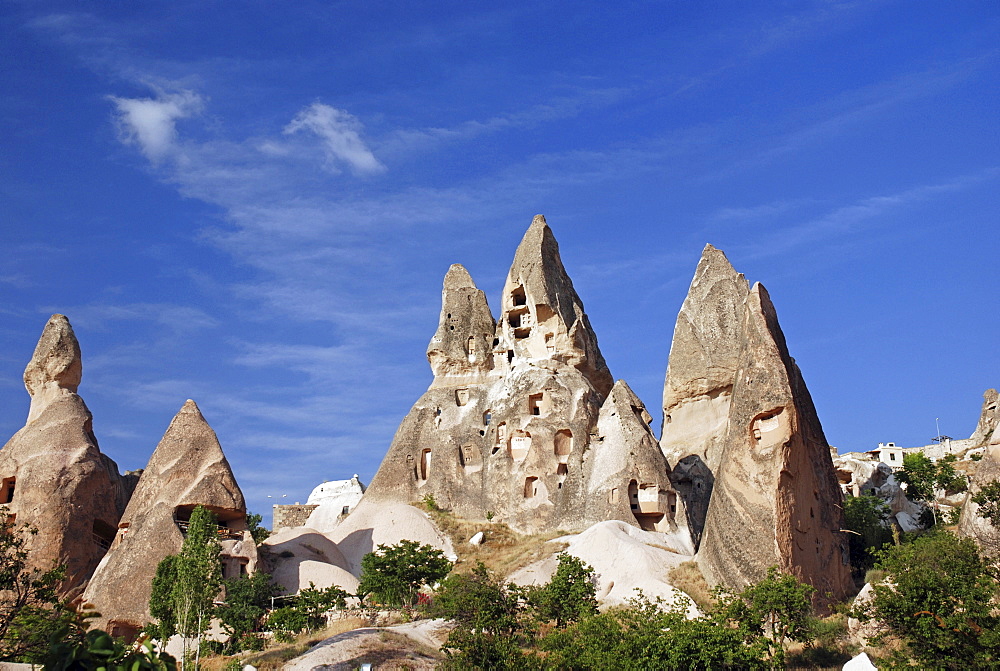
(187, 469)
(53, 476)
(512, 416)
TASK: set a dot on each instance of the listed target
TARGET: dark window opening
(7, 490)
(518, 297)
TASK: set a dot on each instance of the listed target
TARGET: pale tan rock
(697, 391)
(462, 348)
(508, 432)
(186, 470)
(53, 476)
(989, 419)
(301, 556)
(971, 523)
(776, 501)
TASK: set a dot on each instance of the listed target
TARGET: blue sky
(253, 204)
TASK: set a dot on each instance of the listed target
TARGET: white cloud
(151, 122)
(341, 135)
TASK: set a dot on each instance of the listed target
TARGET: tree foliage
(186, 584)
(923, 477)
(30, 609)
(242, 615)
(490, 618)
(938, 600)
(393, 574)
(652, 635)
(778, 608)
(569, 596)
(74, 649)
(254, 525)
(867, 517)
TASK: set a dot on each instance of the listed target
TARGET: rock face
(53, 476)
(971, 523)
(989, 418)
(187, 469)
(510, 424)
(746, 444)
(697, 392)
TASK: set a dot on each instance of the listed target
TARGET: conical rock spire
(187, 469)
(461, 349)
(56, 366)
(507, 431)
(543, 316)
(776, 501)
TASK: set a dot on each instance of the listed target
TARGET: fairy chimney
(53, 476)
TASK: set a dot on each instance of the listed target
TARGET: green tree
(30, 609)
(489, 616)
(779, 608)
(569, 596)
(938, 600)
(259, 533)
(393, 574)
(73, 648)
(242, 614)
(651, 635)
(186, 584)
(867, 517)
(919, 474)
(314, 603)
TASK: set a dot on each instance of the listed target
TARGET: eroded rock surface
(507, 429)
(53, 476)
(971, 523)
(776, 500)
(989, 418)
(187, 469)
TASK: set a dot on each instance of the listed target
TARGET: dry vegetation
(503, 551)
(687, 578)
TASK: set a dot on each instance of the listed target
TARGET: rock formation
(746, 446)
(511, 420)
(53, 476)
(704, 358)
(187, 469)
(971, 523)
(989, 418)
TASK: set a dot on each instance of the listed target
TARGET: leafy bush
(393, 574)
(937, 600)
(866, 516)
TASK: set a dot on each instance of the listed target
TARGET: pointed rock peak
(461, 349)
(623, 399)
(190, 407)
(539, 220)
(458, 277)
(57, 361)
(189, 437)
(714, 266)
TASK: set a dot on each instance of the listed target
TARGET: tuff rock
(746, 444)
(511, 424)
(53, 476)
(187, 469)
(971, 523)
(989, 418)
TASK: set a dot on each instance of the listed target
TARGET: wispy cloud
(847, 219)
(151, 123)
(340, 134)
